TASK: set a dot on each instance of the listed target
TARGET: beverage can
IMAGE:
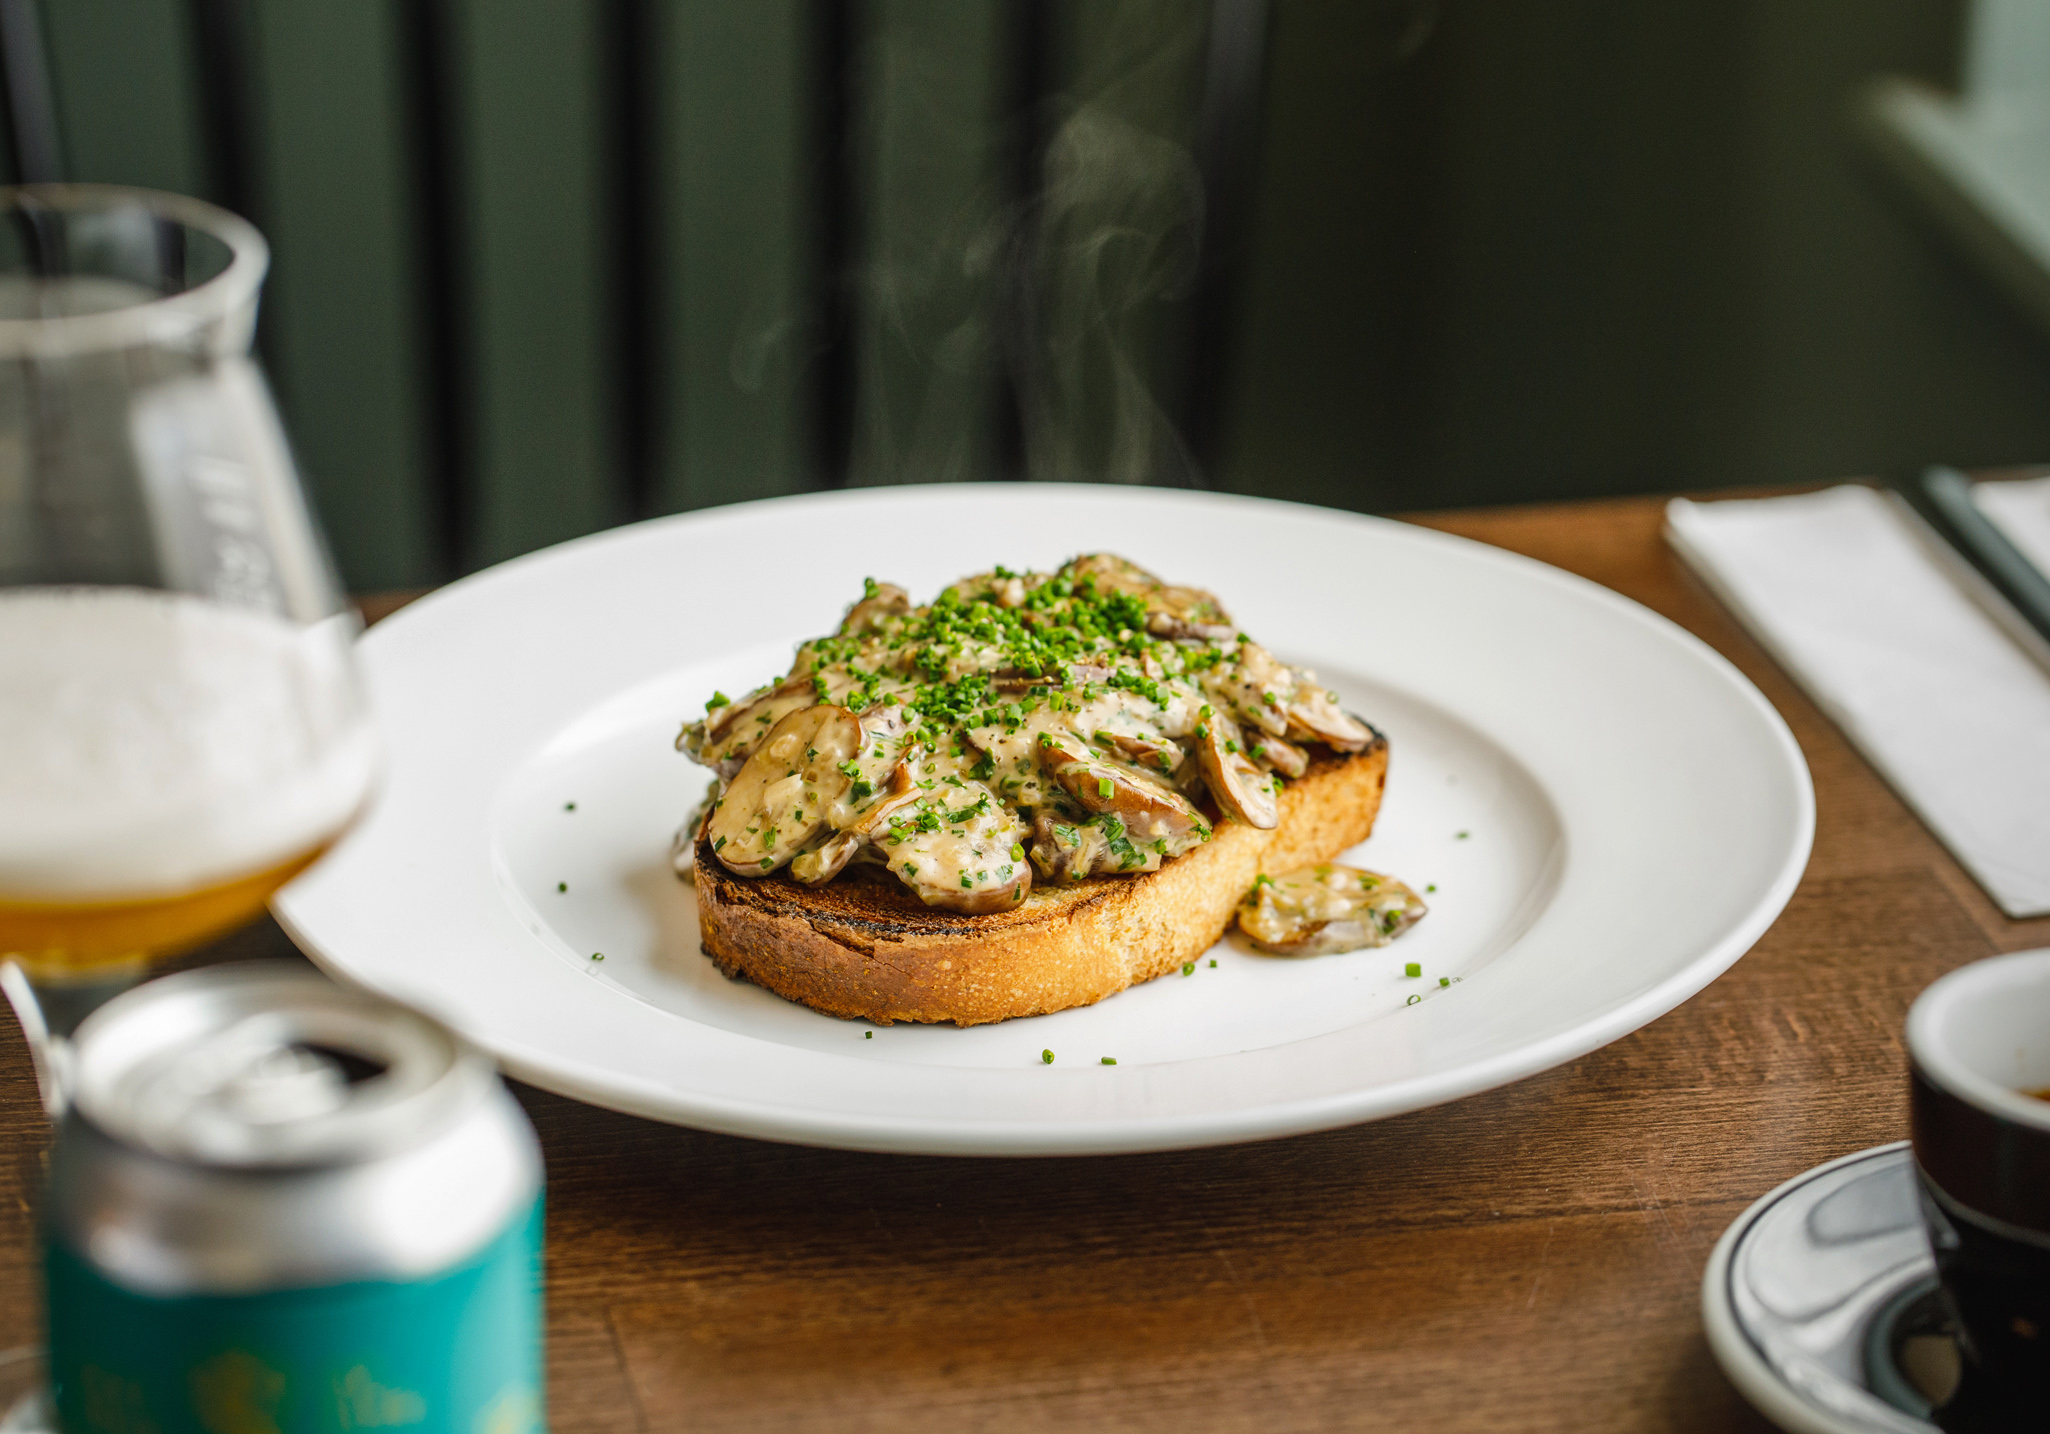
(277, 1204)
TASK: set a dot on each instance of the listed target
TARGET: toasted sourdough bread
(862, 946)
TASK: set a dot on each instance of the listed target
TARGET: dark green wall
(545, 264)
(1605, 248)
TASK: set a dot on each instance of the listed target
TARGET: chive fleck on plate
(1566, 770)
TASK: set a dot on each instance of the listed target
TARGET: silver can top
(265, 1065)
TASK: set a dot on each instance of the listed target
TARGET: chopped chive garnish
(1461, 836)
(1413, 969)
(1188, 968)
(1444, 980)
(868, 1035)
(562, 886)
(1412, 1000)
(1213, 960)
(569, 806)
(597, 955)
(1046, 1058)
(1104, 788)
(1109, 1061)
(1432, 887)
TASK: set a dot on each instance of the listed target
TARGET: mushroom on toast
(1093, 720)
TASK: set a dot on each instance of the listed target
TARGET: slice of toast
(863, 947)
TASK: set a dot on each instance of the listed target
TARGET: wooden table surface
(1525, 1259)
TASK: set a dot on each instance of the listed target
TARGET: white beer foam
(153, 743)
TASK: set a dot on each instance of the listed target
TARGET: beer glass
(181, 728)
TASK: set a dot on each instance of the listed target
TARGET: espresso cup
(1979, 1044)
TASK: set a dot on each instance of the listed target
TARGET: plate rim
(892, 1132)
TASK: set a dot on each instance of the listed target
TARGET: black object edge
(1947, 497)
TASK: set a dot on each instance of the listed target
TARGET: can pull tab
(51, 1054)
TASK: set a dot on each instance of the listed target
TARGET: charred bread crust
(864, 947)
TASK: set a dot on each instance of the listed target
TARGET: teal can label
(454, 1353)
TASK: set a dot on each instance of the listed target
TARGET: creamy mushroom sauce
(1327, 907)
(1088, 721)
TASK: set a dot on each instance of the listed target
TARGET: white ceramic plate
(1609, 813)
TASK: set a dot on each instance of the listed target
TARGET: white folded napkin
(2020, 508)
(1896, 645)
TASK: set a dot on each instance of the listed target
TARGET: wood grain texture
(1524, 1259)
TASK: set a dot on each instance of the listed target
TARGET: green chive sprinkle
(1104, 788)
(1432, 887)
(1188, 968)
(562, 886)
(1213, 960)
(1109, 1061)
(1412, 1000)
(1413, 969)
(569, 806)
(1046, 1058)
(597, 955)
(1461, 836)
(868, 1035)
(1444, 980)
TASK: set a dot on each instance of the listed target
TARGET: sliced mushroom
(1315, 714)
(1116, 574)
(1327, 907)
(881, 602)
(887, 721)
(1069, 851)
(1180, 629)
(1013, 680)
(777, 801)
(1284, 757)
(1152, 753)
(961, 875)
(729, 742)
(966, 858)
(883, 728)
(903, 794)
(824, 860)
(1241, 789)
(1154, 816)
(1253, 685)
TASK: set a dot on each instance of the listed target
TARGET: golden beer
(166, 763)
(68, 939)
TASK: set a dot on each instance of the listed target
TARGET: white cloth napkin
(2020, 508)
(1844, 590)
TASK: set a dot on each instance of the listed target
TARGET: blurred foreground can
(275, 1204)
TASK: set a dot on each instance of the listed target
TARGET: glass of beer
(181, 727)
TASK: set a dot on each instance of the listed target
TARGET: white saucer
(1818, 1301)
